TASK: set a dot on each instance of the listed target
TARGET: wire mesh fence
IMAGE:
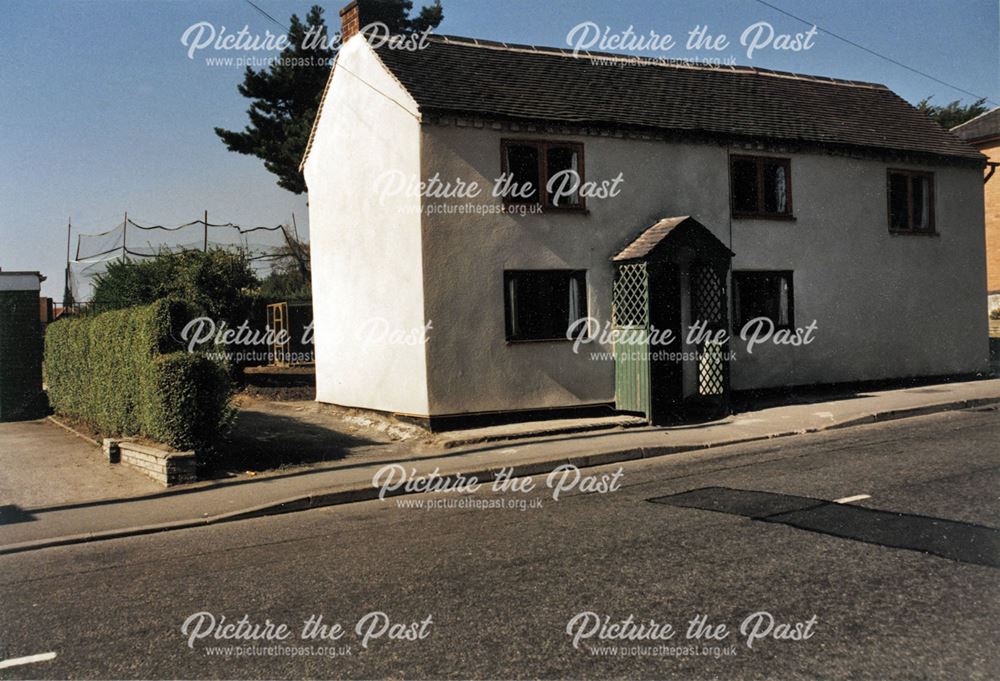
(264, 246)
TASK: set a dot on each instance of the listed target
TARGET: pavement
(28, 525)
(501, 584)
(43, 465)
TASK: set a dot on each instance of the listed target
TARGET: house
(983, 132)
(841, 221)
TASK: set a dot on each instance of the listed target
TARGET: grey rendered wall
(885, 306)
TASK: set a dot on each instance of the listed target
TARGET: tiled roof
(650, 238)
(519, 82)
(664, 231)
(983, 126)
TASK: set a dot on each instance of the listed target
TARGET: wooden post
(206, 232)
(124, 234)
(69, 232)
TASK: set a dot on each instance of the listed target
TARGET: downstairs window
(542, 304)
(763, 294)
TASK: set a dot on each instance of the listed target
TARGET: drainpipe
(729, 194)
(993, 168)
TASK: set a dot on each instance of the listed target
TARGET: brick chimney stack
(350, 21)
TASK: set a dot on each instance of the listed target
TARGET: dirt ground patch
(269, 434)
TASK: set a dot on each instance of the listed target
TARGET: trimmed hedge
(124, 374)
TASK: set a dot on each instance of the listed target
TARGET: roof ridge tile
(652, 61)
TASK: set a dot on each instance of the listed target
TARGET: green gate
(630, 324)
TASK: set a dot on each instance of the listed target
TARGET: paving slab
(529, 429)
(42, 464)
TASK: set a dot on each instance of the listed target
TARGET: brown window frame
(760, 213)
(508, 275)
(931, 229)
(543, 178)
(741, 279)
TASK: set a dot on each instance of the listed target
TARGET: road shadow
(958, 541)
(12, 513)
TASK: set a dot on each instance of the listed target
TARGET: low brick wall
(167, 468)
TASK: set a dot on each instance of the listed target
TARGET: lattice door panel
(709, 303)
(630, 299)
(711, 377)
(709, 289)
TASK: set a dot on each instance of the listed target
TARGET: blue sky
(103, 112)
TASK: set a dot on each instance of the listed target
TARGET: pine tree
(952, 114)
(286, 95)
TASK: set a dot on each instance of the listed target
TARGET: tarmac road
(489, 592)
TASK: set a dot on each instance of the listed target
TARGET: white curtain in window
(509, 168)
(780, 193)
(574, 300)
(512, 305)
(783, 301)
(575, 167)
(925, 207)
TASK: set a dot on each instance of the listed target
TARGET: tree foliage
(286, 95)
(289, 278)
(396, 15)
(953, 113)
(217, 282)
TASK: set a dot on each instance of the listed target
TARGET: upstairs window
(761, 187)
(543, 304)
(763, 294)
(530, 165)
(911, 202)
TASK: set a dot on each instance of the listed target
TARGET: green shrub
(188, 400)
(214, 282)
(124, 373)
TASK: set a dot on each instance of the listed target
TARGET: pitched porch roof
(681, 231)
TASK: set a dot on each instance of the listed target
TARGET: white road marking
(18, 661)
(856, 497)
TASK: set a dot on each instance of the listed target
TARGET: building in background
(21, 312)
(983, 132)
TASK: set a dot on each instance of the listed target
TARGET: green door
(630, 322)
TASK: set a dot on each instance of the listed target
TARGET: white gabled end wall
(366, 252)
